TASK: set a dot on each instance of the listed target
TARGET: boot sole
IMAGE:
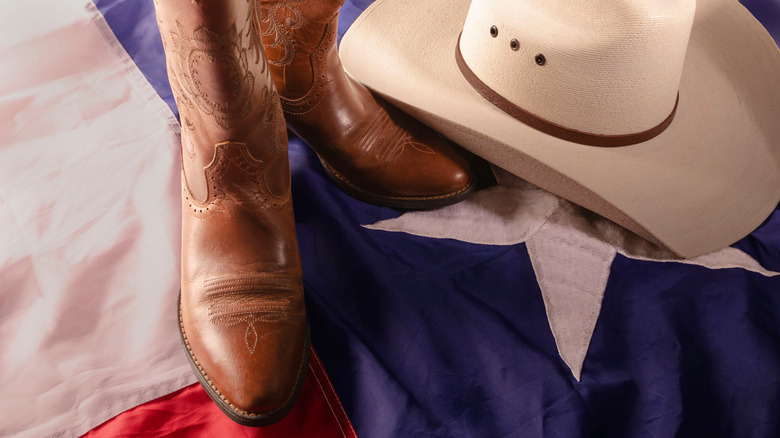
(397, 202)
(240, 416)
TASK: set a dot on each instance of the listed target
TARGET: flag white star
(571, 250)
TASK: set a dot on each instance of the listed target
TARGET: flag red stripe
(190, 413)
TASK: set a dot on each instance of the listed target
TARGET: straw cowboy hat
(661, 116)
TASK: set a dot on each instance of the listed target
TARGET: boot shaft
(222, 86)
(299, 37)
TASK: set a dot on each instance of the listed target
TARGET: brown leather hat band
(552, 128)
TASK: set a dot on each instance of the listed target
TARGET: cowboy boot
(241, 312)
(372, 150)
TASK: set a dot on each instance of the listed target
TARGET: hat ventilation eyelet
(493, 31)
(514, 44)
(540, 59)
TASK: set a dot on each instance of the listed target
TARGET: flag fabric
(88, 228)
(512, 314)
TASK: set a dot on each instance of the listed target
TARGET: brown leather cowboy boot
(242, 316)
(372, 150)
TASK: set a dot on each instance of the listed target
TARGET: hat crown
(605, 67)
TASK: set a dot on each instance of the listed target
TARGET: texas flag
(514, 313)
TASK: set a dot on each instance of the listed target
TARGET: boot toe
(430, 174)
(427, 171)
(255, 381)
(445, 174)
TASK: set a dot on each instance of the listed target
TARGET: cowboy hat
(661, 116)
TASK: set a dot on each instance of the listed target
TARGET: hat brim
(707, 181)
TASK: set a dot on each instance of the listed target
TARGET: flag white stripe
(89, 225)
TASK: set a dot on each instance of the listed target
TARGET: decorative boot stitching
(319, 61)
(386, 138)
(234, 176)
(186, 137)
(282, 30)
(234, 300)
(252, 32)
(206, 379)
(273, 119)
(225, 53)
(195, 208)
